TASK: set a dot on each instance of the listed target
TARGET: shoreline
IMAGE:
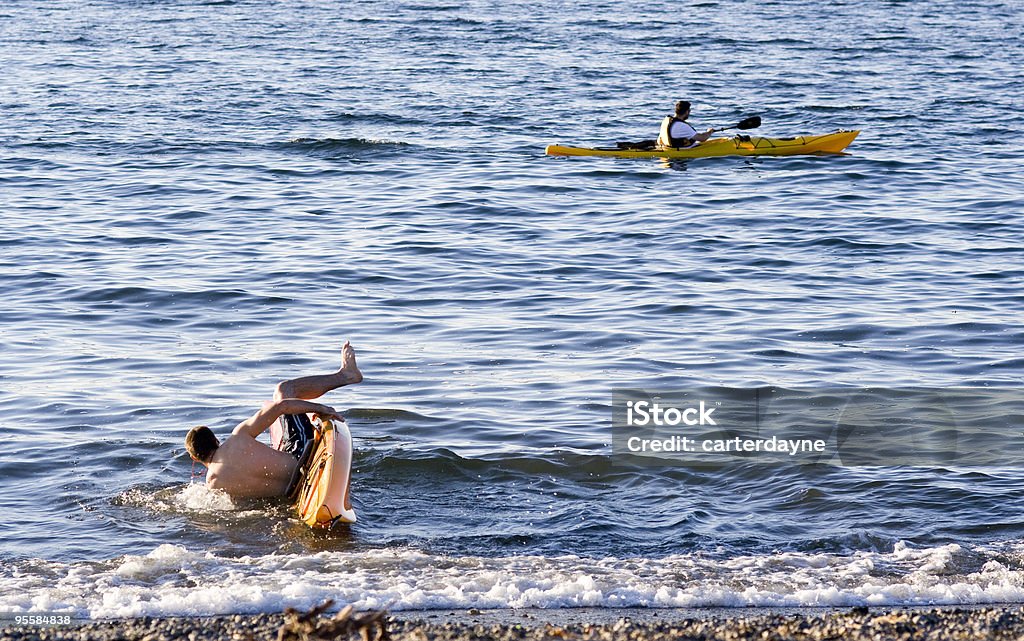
(999, 621)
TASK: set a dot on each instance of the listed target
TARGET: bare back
(244, 467)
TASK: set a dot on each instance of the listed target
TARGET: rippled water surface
(203, 198)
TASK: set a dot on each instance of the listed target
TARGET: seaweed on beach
(309, 626)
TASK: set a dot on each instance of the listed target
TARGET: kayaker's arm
(683, 142)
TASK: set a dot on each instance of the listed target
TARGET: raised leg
(310, 387)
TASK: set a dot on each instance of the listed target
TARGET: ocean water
(200, 199)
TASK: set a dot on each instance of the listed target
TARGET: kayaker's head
(200, 443)
(682, 109)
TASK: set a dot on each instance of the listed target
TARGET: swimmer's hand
(299, 406)
(329, 412)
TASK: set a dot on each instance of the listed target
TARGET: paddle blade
(752, 122)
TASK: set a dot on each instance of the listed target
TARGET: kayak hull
(832, 143)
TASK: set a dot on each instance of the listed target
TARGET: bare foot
(349, 369)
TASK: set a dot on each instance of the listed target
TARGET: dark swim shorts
(296, 432)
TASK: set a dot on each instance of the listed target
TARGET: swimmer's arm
(270, 412)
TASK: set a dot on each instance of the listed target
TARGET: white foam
(194, 498)
(199, 497)
(172, 580)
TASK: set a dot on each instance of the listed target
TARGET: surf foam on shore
(173, 581)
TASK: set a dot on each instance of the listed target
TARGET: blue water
(203, 198)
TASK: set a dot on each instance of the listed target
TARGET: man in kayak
(245, 468)
(676, 132)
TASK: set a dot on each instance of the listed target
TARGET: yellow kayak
(832, 143)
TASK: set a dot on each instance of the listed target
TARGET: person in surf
(245, 468)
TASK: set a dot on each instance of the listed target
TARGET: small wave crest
(340, 146)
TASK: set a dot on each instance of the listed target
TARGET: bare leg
(310, 387)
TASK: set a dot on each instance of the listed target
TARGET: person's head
(683, 108)
(200, 443)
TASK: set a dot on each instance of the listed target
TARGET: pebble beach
(954, 624)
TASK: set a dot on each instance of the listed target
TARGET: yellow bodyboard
(324, 493)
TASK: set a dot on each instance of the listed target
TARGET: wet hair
(201, 443)
(682, 107)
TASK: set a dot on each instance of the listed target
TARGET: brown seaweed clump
(308, 626)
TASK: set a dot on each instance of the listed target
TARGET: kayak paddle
(752, 122)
